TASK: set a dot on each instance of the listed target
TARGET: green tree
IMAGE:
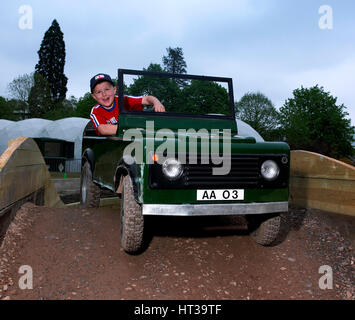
(66, 110)
(313, 121)
(6, 110)
(20, 89)
(175, 63)
(203, 97)
(84, 106)
(51, 62)
(39, 99)
(17, 109)
(166, 90)
(147, 85)
(258, 111)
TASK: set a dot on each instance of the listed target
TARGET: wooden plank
(12, 146)
(23, 172)
(19, 183)
(321, 182)
(27, 144)
(51, 197)
(310, 164)
(330, 195)
(25, 158)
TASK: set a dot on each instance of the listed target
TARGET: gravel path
(76, 254)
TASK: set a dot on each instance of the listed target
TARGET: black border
(231, 309)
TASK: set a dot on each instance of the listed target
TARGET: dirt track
(76, 254)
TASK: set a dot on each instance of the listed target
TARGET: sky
(267, 46)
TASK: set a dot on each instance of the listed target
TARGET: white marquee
(69, 129)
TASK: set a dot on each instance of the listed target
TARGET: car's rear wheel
(89, 191)
(132, 220)
(267, 230)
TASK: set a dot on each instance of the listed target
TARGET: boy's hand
(158, 107)
(151, 100)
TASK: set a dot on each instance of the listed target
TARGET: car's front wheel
(89, 191)
(132, 220)
(267, 230)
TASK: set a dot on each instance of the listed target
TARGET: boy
(104, 115)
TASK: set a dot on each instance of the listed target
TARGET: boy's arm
(150, 100)
(107, 129)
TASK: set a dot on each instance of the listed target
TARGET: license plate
(217, 195)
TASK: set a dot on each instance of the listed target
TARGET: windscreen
(181, 96)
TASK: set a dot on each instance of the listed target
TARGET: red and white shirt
(101, 115)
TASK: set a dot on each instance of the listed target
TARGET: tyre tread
(269, 231)
(132, 220)
(93, 190)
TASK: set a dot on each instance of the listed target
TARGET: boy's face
(104, 94)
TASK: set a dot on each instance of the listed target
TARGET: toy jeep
(187, 161)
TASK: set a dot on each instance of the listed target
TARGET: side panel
(107, 153)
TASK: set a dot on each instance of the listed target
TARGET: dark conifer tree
(39, 99)
(174, 62)
(51, 62)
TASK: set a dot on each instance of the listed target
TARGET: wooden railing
(321, 182)
(23, 173)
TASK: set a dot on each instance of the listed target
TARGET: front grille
(244, 173)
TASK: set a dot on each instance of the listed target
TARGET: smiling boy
(104, 115)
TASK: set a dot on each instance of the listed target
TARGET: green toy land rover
(187, 161)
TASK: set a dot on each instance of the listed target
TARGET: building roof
(69, 129)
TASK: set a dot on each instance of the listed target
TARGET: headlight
(172, 168)
(270, 170)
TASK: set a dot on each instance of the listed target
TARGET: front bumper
(213, 209)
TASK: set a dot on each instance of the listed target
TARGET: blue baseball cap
(100, 77)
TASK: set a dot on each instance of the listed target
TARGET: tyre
(132, 220)
(89, 191)
(267, 230)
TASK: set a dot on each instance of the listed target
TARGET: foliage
(84, 106)
(196, 97)
(175, 63)
(20, 89)
(147, 85)
(6, 110)
(17, 109)
(258, 111)
(312, 120)
(39, 99)
(51, 62)
(202, 97)
(166, 90)
(65, 109)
